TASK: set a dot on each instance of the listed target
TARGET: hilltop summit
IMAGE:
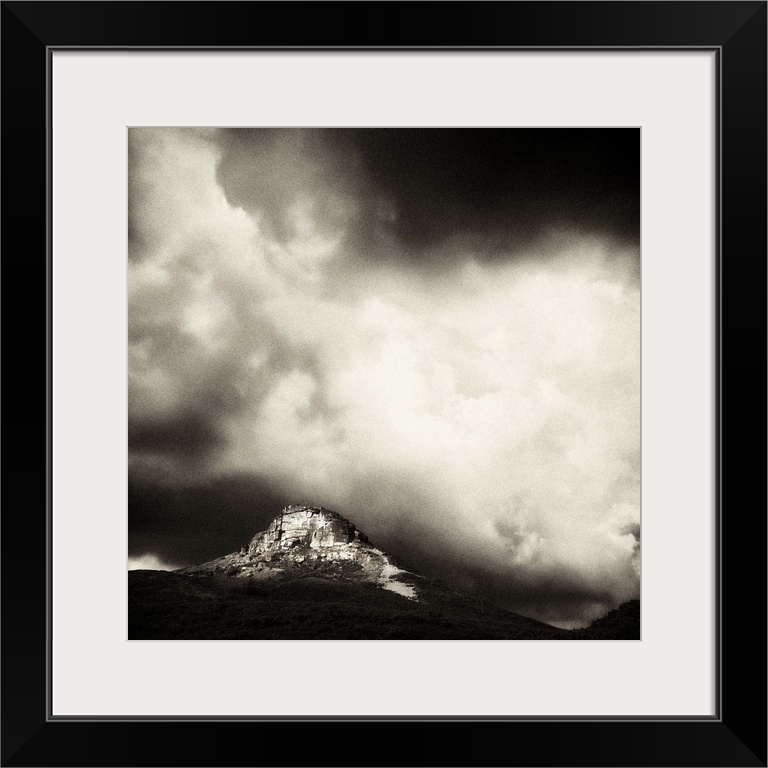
(312, 541)
(315, 528)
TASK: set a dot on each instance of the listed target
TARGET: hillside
(312, 575)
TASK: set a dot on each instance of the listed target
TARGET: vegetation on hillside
(173, 606)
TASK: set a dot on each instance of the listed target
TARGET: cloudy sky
(435, 333)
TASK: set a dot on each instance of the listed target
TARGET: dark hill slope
(173, 606)
(622, 623)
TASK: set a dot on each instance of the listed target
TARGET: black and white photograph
(369, 325)
(384, 383)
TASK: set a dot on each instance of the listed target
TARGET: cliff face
(314, 528)
(312, 541)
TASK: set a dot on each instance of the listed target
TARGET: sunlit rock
(318, 542)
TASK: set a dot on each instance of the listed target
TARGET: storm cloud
(434, 333)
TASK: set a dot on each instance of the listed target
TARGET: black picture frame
(736, 736)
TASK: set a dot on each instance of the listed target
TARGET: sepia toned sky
(435, 333)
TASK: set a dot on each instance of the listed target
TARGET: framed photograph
(378, 336)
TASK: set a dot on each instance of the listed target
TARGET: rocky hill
(313, 575)
(312, 541)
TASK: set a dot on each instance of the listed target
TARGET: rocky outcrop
(316, 541)
(312, 528)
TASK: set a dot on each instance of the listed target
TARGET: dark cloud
(502, 187)
(402, 195)
(270, 171)
(189, 522)
(189, 436)
(560, 597)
